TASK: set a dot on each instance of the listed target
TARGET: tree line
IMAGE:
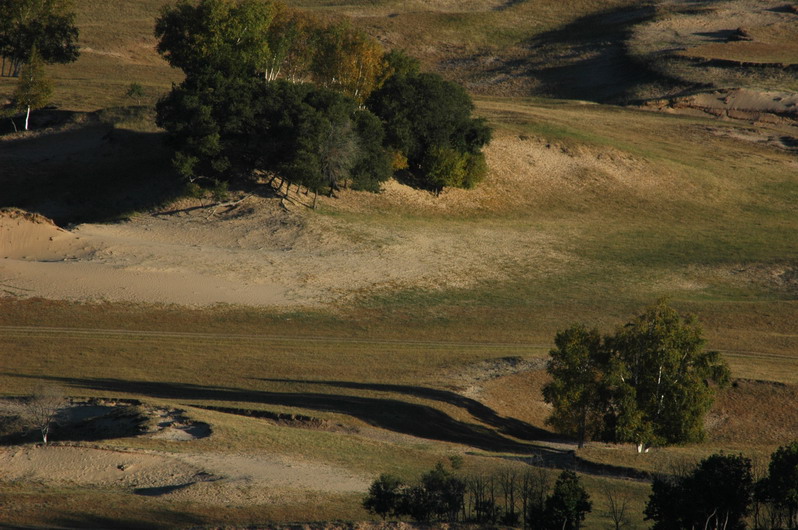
(506, 497)
(273, 90)
(720, 493)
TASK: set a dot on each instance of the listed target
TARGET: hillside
(263, 362)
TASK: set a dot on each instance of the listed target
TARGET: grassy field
(652, 205)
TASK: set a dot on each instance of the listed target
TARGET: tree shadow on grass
(509, 426)
(87, 172)
(154, 519)
(392, 414)
(588, 59)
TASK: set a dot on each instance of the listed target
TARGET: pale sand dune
(210, 478)
(262, 254)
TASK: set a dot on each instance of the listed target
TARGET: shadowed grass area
(95, 167)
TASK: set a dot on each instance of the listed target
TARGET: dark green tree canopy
(716, 494)
(428, 120)
(235, 114)
(780, 487)
(383, 496)
(575, 367)
(48, 26)
(230, 127)
(568, 504)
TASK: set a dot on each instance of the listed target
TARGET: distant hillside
(608, 51)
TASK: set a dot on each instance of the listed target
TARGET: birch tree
(40, 411)
(292, 37)
(650, 383)
(33, 88)
(216, 35)
(669, 375)
(348, 60)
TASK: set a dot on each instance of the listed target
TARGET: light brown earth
(266, 252)
(209, 478)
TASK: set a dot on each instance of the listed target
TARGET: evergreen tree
(568, 503)
(780, 487)
(384, 496)
(428, 121)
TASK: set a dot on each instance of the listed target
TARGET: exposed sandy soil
(263, 254)
(188, 475)
(215, 478)
(707, 22)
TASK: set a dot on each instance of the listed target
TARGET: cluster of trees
(720, 493)
(505, 498)
(650, 383)
(273, 90)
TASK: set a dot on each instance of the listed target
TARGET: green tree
(427, 119)
(46, 26)
(226, 36)
(780, 487)
(384, 496)
(33, 88)
(227, 128)
(348, 60)
(373, 166)
(669, 376)
(716, 495)
(649, 383)
(135, 91)
(439, 496)
(568, 503)
(576, 368)
(398, 63)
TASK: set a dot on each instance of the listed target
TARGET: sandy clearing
(261, 254)
(92, 467)
(680, 31)
(25, 236)
(216, 478)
